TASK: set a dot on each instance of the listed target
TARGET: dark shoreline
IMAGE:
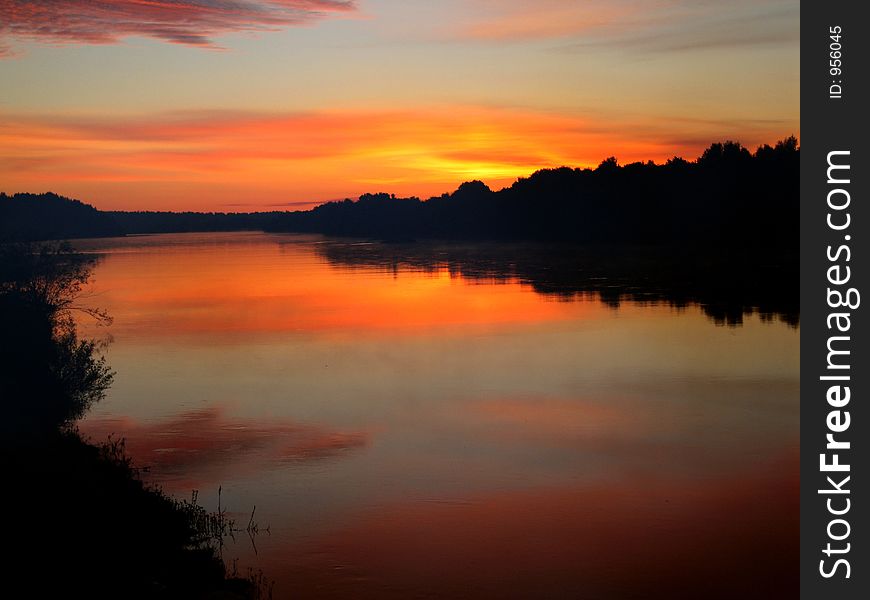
(83, 521)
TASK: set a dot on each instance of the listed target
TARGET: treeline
(728, 196)
(29, 217)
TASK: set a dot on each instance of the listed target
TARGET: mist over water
(412, 426)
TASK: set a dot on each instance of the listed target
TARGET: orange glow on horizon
(242, 161)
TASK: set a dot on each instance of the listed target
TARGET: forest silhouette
(728, 196)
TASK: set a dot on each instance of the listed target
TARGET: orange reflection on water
(722, 537)
(267, 287)
(483, 440)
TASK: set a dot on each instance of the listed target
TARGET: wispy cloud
(626, 25)
(513, 20)
(301, 205)
(765, 24)
(189, 22)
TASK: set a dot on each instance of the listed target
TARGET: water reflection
(726, 287)
(444, 421)
(204, 447)
(725, 537)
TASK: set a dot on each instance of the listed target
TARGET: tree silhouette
(48, 376)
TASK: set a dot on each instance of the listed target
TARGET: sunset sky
(238, 105)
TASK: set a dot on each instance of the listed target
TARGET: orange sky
(282, 105)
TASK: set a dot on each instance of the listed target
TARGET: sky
(244, 105)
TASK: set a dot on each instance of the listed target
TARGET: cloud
(658, 26)
(767, 24)
(514, 20)
(187, 22)
(201, 447)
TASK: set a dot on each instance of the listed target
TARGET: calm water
(415, 432)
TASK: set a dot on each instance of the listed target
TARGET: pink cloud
(189, 22)
(545, 19)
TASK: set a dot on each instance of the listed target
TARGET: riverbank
(80, 520)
